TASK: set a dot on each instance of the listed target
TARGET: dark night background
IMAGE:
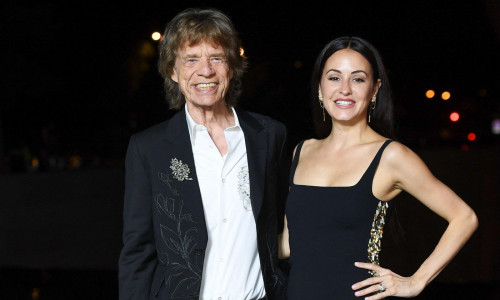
(79, 78)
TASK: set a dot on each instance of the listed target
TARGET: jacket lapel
(179, 147)
(256, 144)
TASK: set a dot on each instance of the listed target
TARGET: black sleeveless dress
(330, 228)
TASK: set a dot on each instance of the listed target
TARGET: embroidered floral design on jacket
(179, 237)
(180, 171)
(244, 187)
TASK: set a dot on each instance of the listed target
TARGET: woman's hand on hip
(386, 283)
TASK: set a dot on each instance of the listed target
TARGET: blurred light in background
(35, 294)
(444, 133)
(74, 162)
(297, 64)
(471, 136)
(495, 126)
(445, 95)
(483, 93)
(454, 116)
(430, 94)
(35, 163)
(156, 36)
(242, 52)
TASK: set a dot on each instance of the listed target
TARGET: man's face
(203, 74)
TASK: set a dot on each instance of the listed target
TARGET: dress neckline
(370, 166)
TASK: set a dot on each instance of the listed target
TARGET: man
(201, 188)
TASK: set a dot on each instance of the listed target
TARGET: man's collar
(193, 127)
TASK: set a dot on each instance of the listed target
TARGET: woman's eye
(334, 78)
(359, 80)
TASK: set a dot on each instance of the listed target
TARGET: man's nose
(205, 67)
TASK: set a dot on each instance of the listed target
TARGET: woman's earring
(373, 103)
(322, 106)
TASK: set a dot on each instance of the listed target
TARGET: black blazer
(164, 230)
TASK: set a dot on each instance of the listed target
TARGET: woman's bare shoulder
(306, 145)
(399, 157)
(396, 151)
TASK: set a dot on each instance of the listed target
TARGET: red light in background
(454, 116)
(471, 136)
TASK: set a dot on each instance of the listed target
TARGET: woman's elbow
(469, 220)
(473, 220)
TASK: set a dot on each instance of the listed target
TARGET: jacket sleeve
(284, 161)
(138, 256)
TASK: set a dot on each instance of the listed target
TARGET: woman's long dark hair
(382, 120)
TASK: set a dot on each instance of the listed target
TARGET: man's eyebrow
(218, 54)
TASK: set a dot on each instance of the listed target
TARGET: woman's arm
(409, 173)
(283, 245)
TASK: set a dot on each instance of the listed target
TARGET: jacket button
(198, 252)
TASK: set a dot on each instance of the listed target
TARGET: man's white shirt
(232, 266)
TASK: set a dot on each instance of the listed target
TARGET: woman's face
(347, 86)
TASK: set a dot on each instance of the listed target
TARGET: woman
(341, 188)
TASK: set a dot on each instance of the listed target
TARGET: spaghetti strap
(295, 161)
(370, 172)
